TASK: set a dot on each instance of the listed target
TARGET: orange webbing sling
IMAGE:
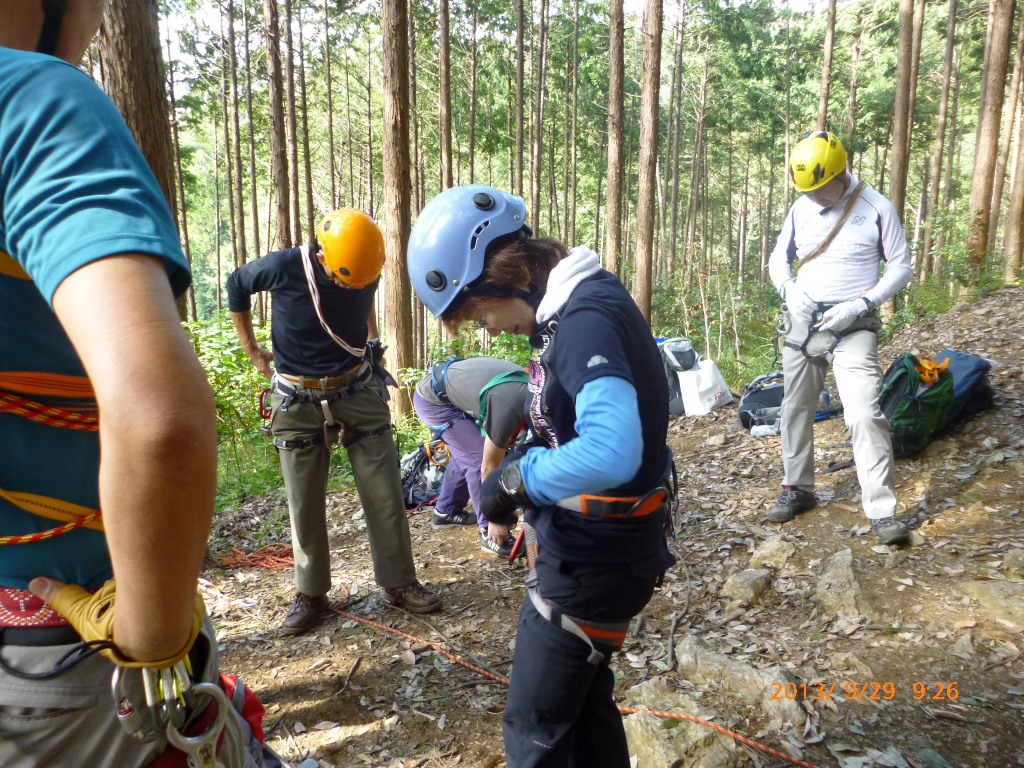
(14, 386)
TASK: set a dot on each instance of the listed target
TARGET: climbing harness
(606, 633)
(819, 346)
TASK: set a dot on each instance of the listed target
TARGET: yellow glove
(92, 616)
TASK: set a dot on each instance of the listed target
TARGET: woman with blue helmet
(592, 477)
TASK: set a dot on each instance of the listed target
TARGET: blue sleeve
(74, 186)
(606, 453)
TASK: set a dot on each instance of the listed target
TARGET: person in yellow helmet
(328, 388)
(826, 268)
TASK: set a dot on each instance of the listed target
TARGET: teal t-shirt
(74, 188)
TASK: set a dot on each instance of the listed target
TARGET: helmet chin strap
(49, 35)
(506, 292)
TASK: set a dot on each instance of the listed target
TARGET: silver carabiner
(136, 719)
(202, 749)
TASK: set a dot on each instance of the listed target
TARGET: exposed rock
(838, 589)
(718, 439)
(1013, 562)
(658, 743)
(747, 586)
(1003, 599)
(699, 663)
(773, 553)
(844, 661)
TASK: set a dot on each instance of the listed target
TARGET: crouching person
(477, 408)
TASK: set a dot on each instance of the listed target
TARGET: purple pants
(461, 482)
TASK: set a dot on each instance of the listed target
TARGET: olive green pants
(365, 421)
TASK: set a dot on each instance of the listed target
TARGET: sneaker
(304, 614)
(792, 502)
(452, 520)
(889, 530)
(501, 550)
(414, 598)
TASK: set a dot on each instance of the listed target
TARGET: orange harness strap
(82, 418)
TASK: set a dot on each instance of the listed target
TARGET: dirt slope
(948, 610)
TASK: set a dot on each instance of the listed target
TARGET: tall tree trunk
(224, 97)
(987, 141)
(901, 109)
(789, 78)
(291, 128)
(330, 108)
(565, 152)
(650, 82)
(520, 63)
(369, 124)
(216, 210)
(1013, 240)
(741, 234)
(940, 143)
(278, 145)
(1004, 149)
(952, 159)
(310, 216)
(179, 177)
(351, 145)
(537, 157)
(597, 205)
(922, 213)
(728, 218)
(851, 119)
(397, 193)
(698, 153)
(616, 77)
(253, 194)
(418, 201)
(575, 104)
(767, 225)
(915, 66)
(472, 102)
(445, 99)
(677, 129)
(826, 66)
(236, 136)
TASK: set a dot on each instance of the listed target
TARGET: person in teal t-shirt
(90, 265)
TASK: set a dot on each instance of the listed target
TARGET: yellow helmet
(352, 245)
(816, 159)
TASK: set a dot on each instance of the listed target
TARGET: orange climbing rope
(274, 557)
(280, 556)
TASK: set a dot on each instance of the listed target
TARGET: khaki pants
(859, 380)
(70, 721)
(371, 451)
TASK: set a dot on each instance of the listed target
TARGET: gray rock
(689, 744)
(718, 439)
(773, 552)
(747, 586)
(699, 663)
(1013, 562)
(838, 589)
(1004, 600)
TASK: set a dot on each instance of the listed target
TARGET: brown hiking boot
(414, 598)
(304, 613)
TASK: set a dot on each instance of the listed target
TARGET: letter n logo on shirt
(858, 220)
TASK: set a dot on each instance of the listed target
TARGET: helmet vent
(472, 242)
(436, 280)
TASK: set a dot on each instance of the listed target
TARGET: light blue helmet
(451, 235)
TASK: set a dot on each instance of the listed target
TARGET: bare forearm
(243, 328)
(493, 454)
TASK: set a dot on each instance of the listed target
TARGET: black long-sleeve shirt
(301, 345)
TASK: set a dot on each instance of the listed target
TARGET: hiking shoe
(889, 530)
(501, 550)
(414, 598)
(452, 520)
(792, 502)
(304, 614)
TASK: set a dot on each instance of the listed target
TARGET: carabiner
(137, 720)
(202, 749)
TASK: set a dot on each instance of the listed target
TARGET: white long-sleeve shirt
(848, 269)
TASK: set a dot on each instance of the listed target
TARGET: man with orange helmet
(328, 388)
(826, 268)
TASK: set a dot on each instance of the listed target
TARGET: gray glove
(797, 301)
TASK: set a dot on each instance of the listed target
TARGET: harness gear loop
(612, 634)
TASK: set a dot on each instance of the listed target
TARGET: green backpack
(916, 411)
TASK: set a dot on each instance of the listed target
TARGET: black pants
(560, 712)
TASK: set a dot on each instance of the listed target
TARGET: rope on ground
(274, 557)
(279, 556)
(624, 710)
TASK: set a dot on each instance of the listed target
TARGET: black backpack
(972, 392)
(421, 478)
(761, 402)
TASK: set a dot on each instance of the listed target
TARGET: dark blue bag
(972, 392)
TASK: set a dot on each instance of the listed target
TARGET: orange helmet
(352, 245)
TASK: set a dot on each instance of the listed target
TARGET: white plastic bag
(703, 389)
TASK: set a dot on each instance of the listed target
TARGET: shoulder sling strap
(307, 267)
(835, 229)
